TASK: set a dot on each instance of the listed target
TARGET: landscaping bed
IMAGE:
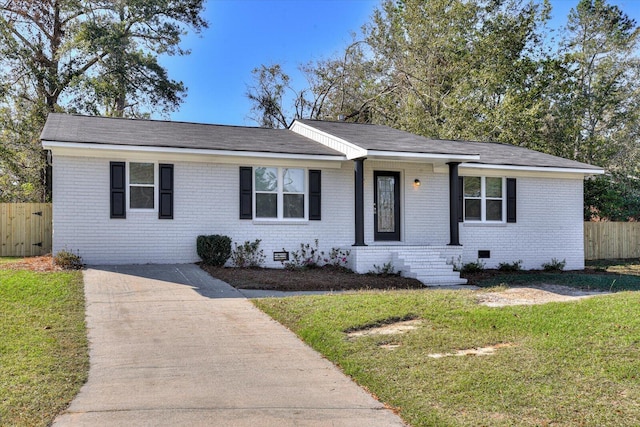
(325, 278)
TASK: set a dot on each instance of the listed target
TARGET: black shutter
(511, 200)
(460, 199)
(315, 197)
(118, 190)
(165, 210)
(246, 192)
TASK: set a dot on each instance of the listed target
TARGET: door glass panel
(386, 205)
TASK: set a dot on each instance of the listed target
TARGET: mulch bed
(36, 263)
(314, 279)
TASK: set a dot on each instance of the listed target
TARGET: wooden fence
(611, 240)
(25, 229)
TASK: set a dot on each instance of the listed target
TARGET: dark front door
(386, 199)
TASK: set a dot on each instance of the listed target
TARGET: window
(279, 193)
(484, 199)
(142, 188)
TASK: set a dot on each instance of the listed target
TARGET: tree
(94, 56)
(597, 91)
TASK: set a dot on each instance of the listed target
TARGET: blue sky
(243, 34)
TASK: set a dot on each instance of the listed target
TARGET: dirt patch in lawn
(531, 295)
(479, 351)
(314, 279)
(390, 329)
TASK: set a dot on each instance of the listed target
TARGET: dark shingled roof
(384, 138)
(154, 133)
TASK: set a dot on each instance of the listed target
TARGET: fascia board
(350, 150)
(382, 155)
(532, 169)
(88, 148)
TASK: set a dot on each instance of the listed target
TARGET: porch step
(427, 266)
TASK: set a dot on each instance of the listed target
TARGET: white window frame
(155, 186)
(483, 201)
(280, 195)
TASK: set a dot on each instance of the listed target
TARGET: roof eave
(419, 157)
(582, 171)
(52, 145)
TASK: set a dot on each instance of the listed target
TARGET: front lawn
(43, 347)
(569, 364)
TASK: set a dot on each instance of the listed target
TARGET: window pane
(141, 173)
(494, 187)
(141, 197)
(494, 210)
(471, 186)
(266, 179)
(472, 210)
(266, 205)
(293, 180)
(293, 206)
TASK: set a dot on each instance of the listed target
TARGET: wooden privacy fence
(611, 240)
(25, 229)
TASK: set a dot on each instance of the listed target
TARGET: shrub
(514, 266)
(554, 265)
(307, 257)
(473, 267)
(68, 260)
(337, 258)
(248, 254)
(214, 250)
(386, 269)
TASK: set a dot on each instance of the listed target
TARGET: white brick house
(141, 191)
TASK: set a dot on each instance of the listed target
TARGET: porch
(432, 265)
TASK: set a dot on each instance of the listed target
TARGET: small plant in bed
(248, 254)
(67, 260)
(510, 266)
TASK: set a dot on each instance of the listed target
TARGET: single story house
(141, 191)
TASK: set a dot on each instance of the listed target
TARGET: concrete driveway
(169, 345)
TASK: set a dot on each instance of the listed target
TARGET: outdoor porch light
(416, 182)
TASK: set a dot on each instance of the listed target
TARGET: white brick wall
(206, 202)
(549, 225)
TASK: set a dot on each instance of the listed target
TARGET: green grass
(43, 346)
(572, 364)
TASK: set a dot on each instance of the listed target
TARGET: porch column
(454, 196)
(359, 201)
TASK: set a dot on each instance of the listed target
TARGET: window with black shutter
(315, 195)
(118, 190)
(165, 210)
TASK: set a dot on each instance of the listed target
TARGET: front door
(386, 202)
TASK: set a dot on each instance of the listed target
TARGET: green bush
(68, 260)
(248, 254)
(554, 265)
(514, 266)
(473, 267)
(214, 250)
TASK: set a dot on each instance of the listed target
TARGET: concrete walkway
(171, 346)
